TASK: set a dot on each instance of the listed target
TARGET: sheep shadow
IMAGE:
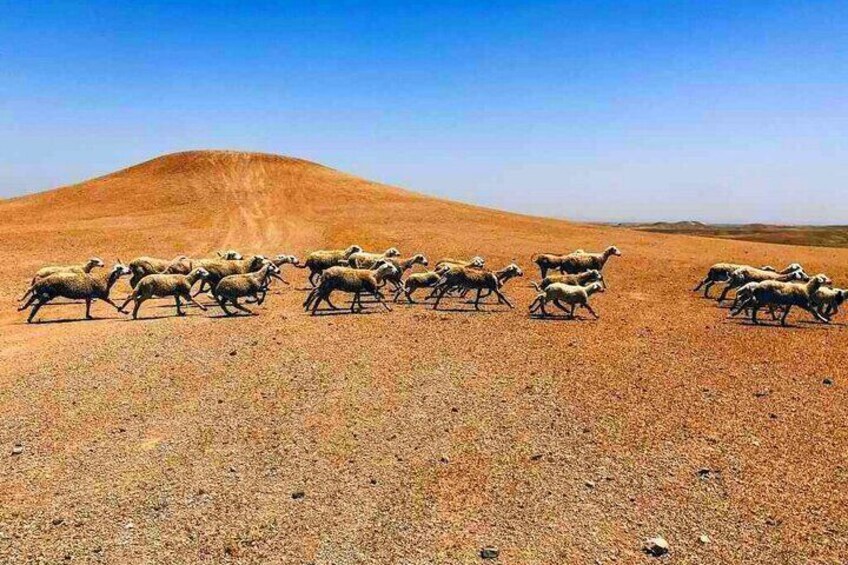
(346, 312)
(68, 321)
(560, 318)
(775, 324)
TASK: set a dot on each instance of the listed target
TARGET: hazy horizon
(611, 112)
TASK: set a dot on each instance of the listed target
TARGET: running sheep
(720, 273)
(562, 294)
(365, 260)
(253, 285)
(319, 261)
(353, 281)
(471, 278)
(744, 275)
(76, 286)
(161, 285)
(580, 279)
(786, 295)
(143, 266)
(575, 262)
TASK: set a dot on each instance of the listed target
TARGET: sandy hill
(413, 436)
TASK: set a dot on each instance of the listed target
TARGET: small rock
(233, 353)
(703, 473)
(57, 521)
(444, 460)
(762, 393)
(17, 449)
(297, 495)
(704, 539)
(489, 552)
(129, 526)
(535, 457)
(373, 481)
(827, 382)
(589, 484)
(656, 546)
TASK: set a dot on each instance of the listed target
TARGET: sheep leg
(542, 307)
(187, 297)
(592, 312)
(707, 288)
(381, 300)
(816, 315)
(441, 293)
(502, 297)
(312, 275)
(41, 302)
(129, 299)
(785, 315)
(88, 315)
(754, 310)
(138, 302)
(108, 301)
(177, 301)
(32, 299)
(200, 288)
(234, 302)
(353, 302)
(700, 284)
(560, 305)
(724, 293)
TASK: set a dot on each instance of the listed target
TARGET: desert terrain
(820, 236)
(412, 436)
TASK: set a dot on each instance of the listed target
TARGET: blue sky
(716, 111)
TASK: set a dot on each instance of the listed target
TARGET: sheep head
(392, 252)
(95, 262)
(612, 250)
(351, 250)
(594, 287)
(477, 261)
(230, 254)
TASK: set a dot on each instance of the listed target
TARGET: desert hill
(411, 436)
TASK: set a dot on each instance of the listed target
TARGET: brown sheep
(165, 284)
(574, 263)
(143, 266)
(346, 279)
(475, 279)
(318, 261)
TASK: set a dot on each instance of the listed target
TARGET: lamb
(575, 262)
(744, 275)
(165, 284)
(786, 294)
(720, 273)
(253, 284)
(401, 266)
(346, 279)
(580, 279)
(559, 293)
(413, 282)
(828, 300)
(475, 279)
(318, 261)
(365, 260)
(220, 268)
(85, 286)
(43, 272)
(143, 266)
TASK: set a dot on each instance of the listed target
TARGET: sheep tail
(536, 286)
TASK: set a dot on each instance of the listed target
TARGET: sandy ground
(412, 436)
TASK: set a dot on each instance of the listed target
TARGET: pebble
(704, 539)
(489, 552)
(17, 449)
(297, 495)
(589, 484)
(827, 382)
(656, 546)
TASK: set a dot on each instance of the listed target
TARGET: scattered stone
(373, 481)
(773, 416)
(762, 393)
(827, 382)
(129, 526)
(704, 539)
(489, 552)
(233, 353)
(656, 547)
(704, 473)
(57, 521)
(589, 484)
(444, 460)
(297, 495)
(17, 449)
(535, 457)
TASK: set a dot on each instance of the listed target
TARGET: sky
(600, 111)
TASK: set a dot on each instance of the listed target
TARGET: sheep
(230, 255)
(143, 266)
(575, 262)
(828, 300)
(475, 279)
(786, 294)
(318, 261)
(745, 275)
(365, 260)
(85, 286)
(253, 284)
(161, 285)
(413, 282)
(43, 272)
(476, 262)
(346, 279)
(573, 295)
(580, 279)
(220, 268)
(401, 266)
(745, 293)
(720, 273)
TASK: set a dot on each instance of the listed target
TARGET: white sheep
(161, 285)
(562, 294)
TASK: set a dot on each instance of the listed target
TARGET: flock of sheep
(230, 277)
(776, 291)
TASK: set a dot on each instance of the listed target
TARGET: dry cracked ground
(411, 436)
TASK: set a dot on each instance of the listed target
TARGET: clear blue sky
(643, 110)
